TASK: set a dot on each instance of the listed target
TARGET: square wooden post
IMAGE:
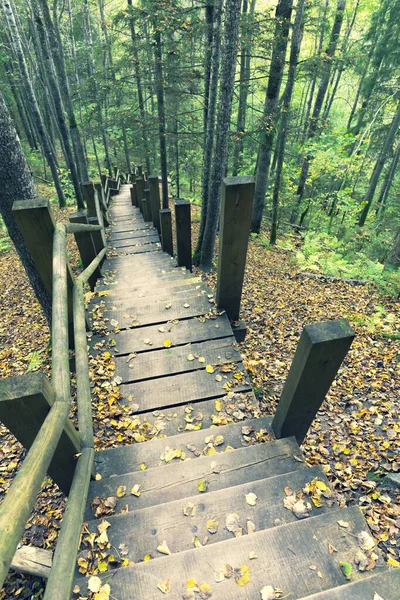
(133, 194)
(24, 404)
(94, 213)
(86, 247)
(236, 209)
(103, 204)
(166, 231)
(319, 354)
(154, 186)
(140, 170)
(36, 223)
(140, 192)
(183, 233)
(88, 195)
(147, 205)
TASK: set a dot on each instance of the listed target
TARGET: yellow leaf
(121, 491)
(244, 576)
(201, 359)
(202, 485)
(393, 562)
(135, 491)
(212, 526)
(147, 557)
(321, 485)
(190, 357)
(164, 586)
(210, 451)
(219, 405)
(102, 566)
(163, 548)
(167, 344)
(143, 467)
(210, 369)
(98, 477)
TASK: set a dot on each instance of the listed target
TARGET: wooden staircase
(214, 506)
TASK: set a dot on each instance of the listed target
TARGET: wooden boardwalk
(205, 510)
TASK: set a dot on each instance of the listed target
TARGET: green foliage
(35, 360)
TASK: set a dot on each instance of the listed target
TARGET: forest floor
(356, 437)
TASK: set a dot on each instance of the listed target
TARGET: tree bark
(229, 53)
(387, 184)
(16, 183)
(373, 182)
(16, 40)
(297, 36)
(393, 259)
(161, 115)
(282, 19)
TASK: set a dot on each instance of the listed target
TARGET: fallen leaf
(94, 584)
(163, 548)
(212, 526)
(347, 569)
(251, 499)
(164, 586)
(243, 576)
(202, 485)
(189, 509)
(268, 593)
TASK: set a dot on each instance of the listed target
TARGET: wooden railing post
(183, 233)
(166, 231)
(140, 192)
(147, 206)
(133, 192)
(236, 209)
(319, 354)
(139, 170)
(154, 187)
(103, 204)
(86, 246)
(24, 404)
(37, 225)
(95, 216)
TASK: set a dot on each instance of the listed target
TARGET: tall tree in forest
(387, 183)
(322, 88)
(380, 162)
(58, 103)
(16, 183)
(210, 124)
(39, 123)
(297, 35)
(393, 258)
(282, 24)
(228, 66)
(159, 82)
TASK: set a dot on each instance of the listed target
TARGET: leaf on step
(186, 305)
(331, 549)
(201, 359)
(167, 344)
(377, 596)
(212, 526)
(143, 467)
(168, 305)
(161, 329)
(232, 524)
(189, 509)
(268, 593)
(219, 440)
(190, 357)
(242, 576)
(297, 505)
(210, 450)
(365, 541)
(196, 542)
(251, 499)
(104, 525)
(121, 491)
(169, 454)
(146, 557)
(252, 555)
(98, 477)
(147, 342)
(250, 527)
(164, 586)
(218, 377)
(94, 584)
(163, 548)
(135, 491)
(209, 369)
(202, 485)
(102, 566)
(104, 593)
(347, 569)
(216, 468)
(393, 563)
(219, 575)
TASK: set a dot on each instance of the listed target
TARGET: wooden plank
(183, 233)
(179, 479)
(152, 247)
(148, 314)
(86, 247)
(137, 241)
(130, 227)
(25, 402)
(169, 278)
(143, 530)
(116, 295)
(182, 332)
(183, 388)
(171, 361)
(166, 231)
(155, 200)
(140, 233)
(284, 554)
(386, 585)
(32, 561)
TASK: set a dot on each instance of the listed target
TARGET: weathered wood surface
(386, 585)
(134, 241)
(152, 247)
(143, 530)
(179, 479)
(133, 235)
(183, 226)
(87, 250)
(183, 388)
(284, 557)
(171, 361)
(149, 293)
(32, 561)
(166, 231)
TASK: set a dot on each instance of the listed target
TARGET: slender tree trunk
(282, 19)
(30, 136)
(58, 104)
(387, 184)
(297, 36)
(322, 88)
(161, 115)
(393, 259)
(210, 129)
(373, 182)
(16, 183)
(32, 99)
(209, 11)
(229, 53)
(139, 87)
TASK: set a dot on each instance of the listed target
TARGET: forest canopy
(302, 94)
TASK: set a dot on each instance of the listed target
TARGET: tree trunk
(209, 13)
(323, 86)
(161, 115)
(16, 40)
(30, 136)
(297, 36)
(229, 53)
(387, 184)
(282, 19)
(58, 104)
(17, 184)
(393, 259)
(210, 129)
(373, 182)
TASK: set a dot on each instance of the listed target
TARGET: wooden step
(179, 479)
(182, 332)
(162, 279)
(149, 293)
(171, 361)
(142, 531)
(138, 241)
(149, 453)
(294, 558)
(152, 247)
(173, 391)
(123, 228)
(124, 289)
(132, 235)
(375, 586)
